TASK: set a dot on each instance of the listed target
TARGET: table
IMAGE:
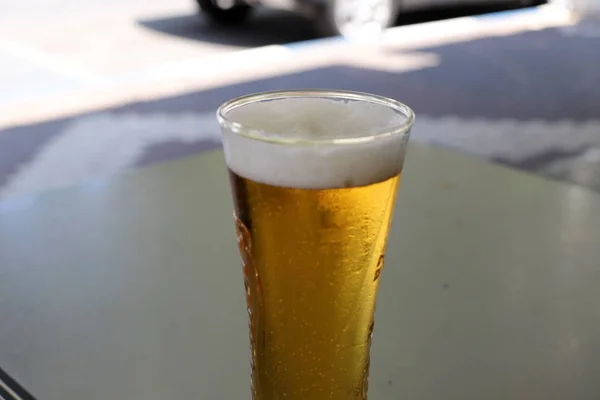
(132, 289)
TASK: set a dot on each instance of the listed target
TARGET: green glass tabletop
(131, 288)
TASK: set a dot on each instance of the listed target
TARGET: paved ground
(524, 93)
(51, 47)
(63, 46)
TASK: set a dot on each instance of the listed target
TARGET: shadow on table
(528, 100)
(270, 27)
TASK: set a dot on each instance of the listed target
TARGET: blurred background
(91, 88)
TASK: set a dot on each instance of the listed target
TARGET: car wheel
(235, 14)
(357, 18)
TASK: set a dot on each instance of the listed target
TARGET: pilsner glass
(314, 175)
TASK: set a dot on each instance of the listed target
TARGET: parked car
(332, 17)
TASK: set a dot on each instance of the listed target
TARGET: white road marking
(105, 144)
(511, 140)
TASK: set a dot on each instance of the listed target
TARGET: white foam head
(314, 142)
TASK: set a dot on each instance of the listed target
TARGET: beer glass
(314, 175)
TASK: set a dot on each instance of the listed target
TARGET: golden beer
(312, 249)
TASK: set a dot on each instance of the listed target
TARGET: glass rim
(263, 135)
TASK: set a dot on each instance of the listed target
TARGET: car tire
(356, 18)
(230, 16)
